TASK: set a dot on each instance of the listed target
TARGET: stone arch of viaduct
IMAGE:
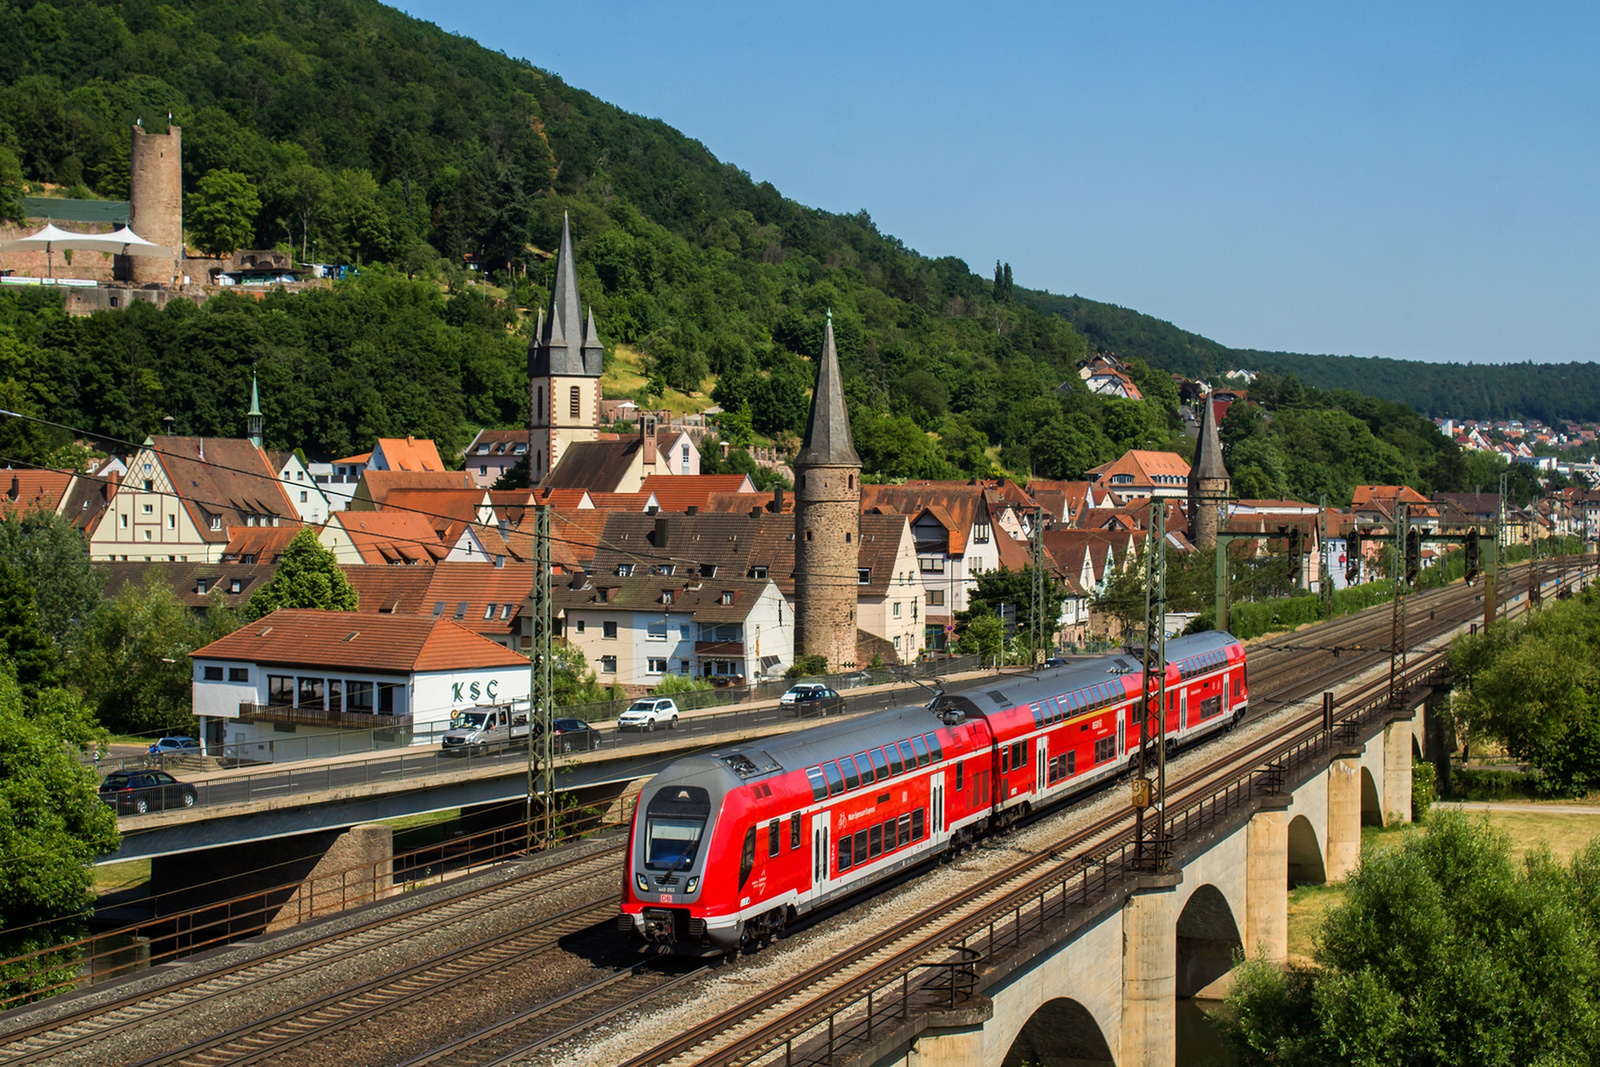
(1110, 993)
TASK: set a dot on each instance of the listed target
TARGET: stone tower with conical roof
(564, 365)
(1209, 484)
(253, 417)
(827, 522)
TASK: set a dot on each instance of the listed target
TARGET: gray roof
(563, 345)
(1208, 451)
(598, 466)
(828, 441)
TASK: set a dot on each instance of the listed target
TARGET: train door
(1227, 704)
(1183, 710)
(936, 798)
(821, 859)
(1122, 733)
(1040, 755)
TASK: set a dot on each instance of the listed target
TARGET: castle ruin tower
(564, 366)
(155, 204)
(827, 522)
(1209, 484)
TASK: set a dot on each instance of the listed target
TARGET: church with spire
(1209, 484)
(827, 521)
(564, 366)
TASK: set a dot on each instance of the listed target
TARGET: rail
(1068, 896)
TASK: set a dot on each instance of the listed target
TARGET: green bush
(1479, 784)
(1424, 789)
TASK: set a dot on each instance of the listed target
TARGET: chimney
(661, 533)
(410, 439)
(499, 560)
(202, 447)
(647, 434)
(777, 500)
(692, 509)
(755, 513)
(16, 488)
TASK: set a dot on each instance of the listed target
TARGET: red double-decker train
(729, 847)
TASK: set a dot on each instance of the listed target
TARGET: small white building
(323, 672)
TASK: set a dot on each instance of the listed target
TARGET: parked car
(175, 746)
(814, 700)
(648, 713)
(136, 792)
(480, 729)
(800, 691)
(1055, 661)
(574, 735)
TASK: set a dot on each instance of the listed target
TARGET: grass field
(1564, 833)
(624, 376)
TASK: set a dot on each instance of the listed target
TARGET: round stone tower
(155, 202)
(827, 522)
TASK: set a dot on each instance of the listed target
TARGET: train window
(1005, 758)
(875, 842)
(674, 820)
(868, 773)
(861, 847)
(851, 778)
(936, 749)
(1019, 756)
(1105, 749)
(908, 755)
(894, 758)
(794, 831)
(844, 853)
(1038, 715)
(961, 774)
(747, 857)
(879, 764)
(835, 781)
(774, 841)
(921, 748)
(918, 820)
(1072, 764)
(819, 784)
(904, 826)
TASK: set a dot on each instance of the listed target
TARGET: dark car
(814, 700)
(136, 792)
(574, 735)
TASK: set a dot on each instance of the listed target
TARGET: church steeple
(828, 440)
(254, 415)
(562, 347)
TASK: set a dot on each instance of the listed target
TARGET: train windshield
(675, 821)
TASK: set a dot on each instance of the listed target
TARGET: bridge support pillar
(1397, 741)
(1344, 818)
(1439, 739)
(1150, 973)
(1266, 890)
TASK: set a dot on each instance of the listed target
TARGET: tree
(983, 635)
(1015, 588)
(52, 824)
(221, 212)
(1445, 951)
(572, 681)
(133, 665)
(12, 188)
(50, 555)
(23, 643)
(308, 577)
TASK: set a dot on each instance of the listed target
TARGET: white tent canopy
(123, 242)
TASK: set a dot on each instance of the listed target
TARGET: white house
(301, 487)
(322, 672)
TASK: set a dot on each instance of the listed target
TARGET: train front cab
(674, 843)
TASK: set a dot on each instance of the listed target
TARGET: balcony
(350, 720)
(719, 649)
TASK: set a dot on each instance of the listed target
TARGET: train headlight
(692, 884)
(639, 880)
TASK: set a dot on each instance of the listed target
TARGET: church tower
(564, 360)
(827, 522)
(253, 418)
(1209, 484)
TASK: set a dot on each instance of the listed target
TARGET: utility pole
(541, 814)
(1399, 551)
(1324, 557)
(1150, 786)
(1500, 538)
(1042, 630)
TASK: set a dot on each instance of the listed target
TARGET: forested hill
(1548, 391)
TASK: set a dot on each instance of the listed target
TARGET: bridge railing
(184, 931)
(1068, 894)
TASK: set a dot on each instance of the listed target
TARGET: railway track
(1294, 672)
(32, 1043)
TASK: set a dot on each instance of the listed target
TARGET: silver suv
(646, 714)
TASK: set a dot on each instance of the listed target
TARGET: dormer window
(200, 585)
(727, 597)
(667, 569)
(666, 596)
(624, 570)
(863, 575)
(758, 572)
(216, 522)
(708, 570)
(235, 586)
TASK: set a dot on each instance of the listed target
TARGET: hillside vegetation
(372, 138)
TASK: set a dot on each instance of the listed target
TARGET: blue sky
(1407, 180)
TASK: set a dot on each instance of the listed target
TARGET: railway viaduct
(1101, 984)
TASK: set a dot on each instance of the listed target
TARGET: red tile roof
(410, 454)
(621, 501)
(399, 644)
(743, 503)
(31, 490)
(679, 492)
(259, 544)
(392, 536)
(377, 485)
(227, 477)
